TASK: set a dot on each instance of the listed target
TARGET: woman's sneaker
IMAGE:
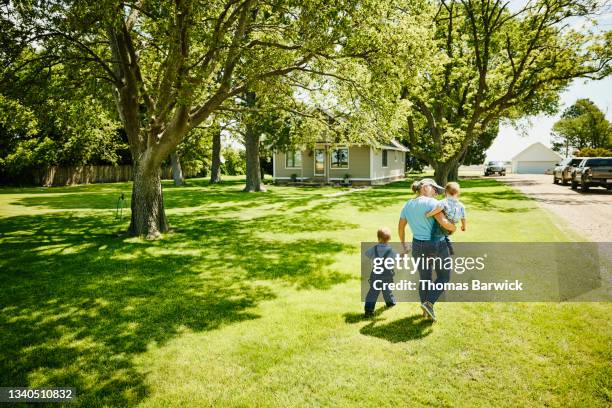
(428, 308)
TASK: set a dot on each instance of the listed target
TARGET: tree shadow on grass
(498, 201)
(76, 309)
(78, 303)
(397, 193)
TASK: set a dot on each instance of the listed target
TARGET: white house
(359, 164)
(535, 159)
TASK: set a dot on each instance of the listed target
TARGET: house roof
(391, 145)
(537, 152)
(395, 145)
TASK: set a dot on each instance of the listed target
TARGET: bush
(593, 152)
(234, 161)
(195, 152)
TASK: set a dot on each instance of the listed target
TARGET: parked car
(591, 172)
(563, 171)
(493, 167)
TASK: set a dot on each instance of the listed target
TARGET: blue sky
(511, 141)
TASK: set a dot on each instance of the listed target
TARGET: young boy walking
(382, 250)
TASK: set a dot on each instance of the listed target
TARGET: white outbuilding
(535, 159)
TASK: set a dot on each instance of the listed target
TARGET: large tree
(496, 63)
(582, 125)
(172, 64)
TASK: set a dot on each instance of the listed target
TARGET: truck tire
(574, 185)
(555, 180)
(584, 187)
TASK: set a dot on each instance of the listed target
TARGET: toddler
(453, 209)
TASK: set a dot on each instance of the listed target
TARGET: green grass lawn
(254, 300)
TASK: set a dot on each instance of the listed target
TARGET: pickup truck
(563, 171)
(493, 167)
(591, 172)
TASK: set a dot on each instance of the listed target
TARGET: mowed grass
(254, 300)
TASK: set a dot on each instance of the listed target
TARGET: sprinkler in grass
(120, 205)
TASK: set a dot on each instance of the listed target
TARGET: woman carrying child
(414, 214)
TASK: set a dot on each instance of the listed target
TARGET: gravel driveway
(590, 213)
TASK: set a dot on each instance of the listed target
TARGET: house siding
(365, 163)
(281, 171)
(396, 165)
(359, 163)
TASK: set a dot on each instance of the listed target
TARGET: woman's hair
(416, 186)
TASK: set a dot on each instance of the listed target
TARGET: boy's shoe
(428, 308)
(368, 314)
(390, 305)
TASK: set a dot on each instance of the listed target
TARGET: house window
(340, 158)
(385, 159)
(293, 160)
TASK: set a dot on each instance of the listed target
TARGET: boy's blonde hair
(452, 188)
(383, 234)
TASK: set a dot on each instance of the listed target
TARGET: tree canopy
(582, 125)
(495, 63)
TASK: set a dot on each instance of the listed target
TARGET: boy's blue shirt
(414, 212)
(381, 249)
(453, 209)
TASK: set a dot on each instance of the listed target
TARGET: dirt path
(590, 213)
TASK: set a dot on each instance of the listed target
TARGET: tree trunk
(177, 172)
(253, 172)
(441, 172)
(448, 171)
(453, 173)
(215, 171)
(148, 215)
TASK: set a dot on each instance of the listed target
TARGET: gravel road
(590, 214)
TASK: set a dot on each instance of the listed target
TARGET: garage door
(533, 167)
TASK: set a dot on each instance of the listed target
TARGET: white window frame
(348, 158)
(294, 152)
(382, 158)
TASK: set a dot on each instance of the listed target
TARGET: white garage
(535, 159)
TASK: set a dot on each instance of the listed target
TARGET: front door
(319, 162)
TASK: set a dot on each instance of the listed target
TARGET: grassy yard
(254, 300)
